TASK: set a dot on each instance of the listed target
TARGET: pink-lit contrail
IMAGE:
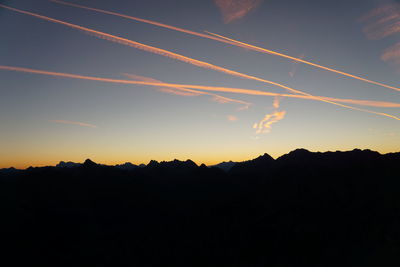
(220, 38)
(169, 90)
(188, 92)
(213, 88)
(176, 56)
(264, 50)
(155, 23)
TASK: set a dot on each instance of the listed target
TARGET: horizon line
(198, 164)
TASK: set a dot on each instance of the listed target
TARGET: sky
(49, 115)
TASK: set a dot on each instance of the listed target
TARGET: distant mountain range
(263, 162)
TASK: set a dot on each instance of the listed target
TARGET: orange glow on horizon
(42, 161)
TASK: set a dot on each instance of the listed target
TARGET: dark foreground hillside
(303, 209)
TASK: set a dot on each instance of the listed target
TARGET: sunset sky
(66, 92)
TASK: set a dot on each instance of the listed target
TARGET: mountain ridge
(262, 161)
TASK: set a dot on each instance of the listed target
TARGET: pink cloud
(232, 10)
(231, 118)
(392, 55)
(382, 22)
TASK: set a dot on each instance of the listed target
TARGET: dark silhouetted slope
(303, 209)
(226, 166)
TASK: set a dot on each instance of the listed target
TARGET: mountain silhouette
(226, 166)
(68, 164)
(126, 166)
(260, 164)
(303, 209)
(89, 164)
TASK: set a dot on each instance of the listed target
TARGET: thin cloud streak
(212, 88)
(182, 58)
(223, 39)
(74, 123)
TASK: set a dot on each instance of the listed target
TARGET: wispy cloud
(382, 22)
(264, 126)
(392, 55)
(277, 102)
(215, 88)
(233, 10)
(294, 66)
(74, 123)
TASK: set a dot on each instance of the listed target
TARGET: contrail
(264, 50)
(223, 39)
(74, 123)
(175, 56)
(162, 25)
(189, 92)
(214, 88)
(169, 90)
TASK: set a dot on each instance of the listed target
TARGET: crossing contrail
(264, 50)
(179, 57)
(220, 38)
(155, 23)
(213, 88)
(189, 92)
